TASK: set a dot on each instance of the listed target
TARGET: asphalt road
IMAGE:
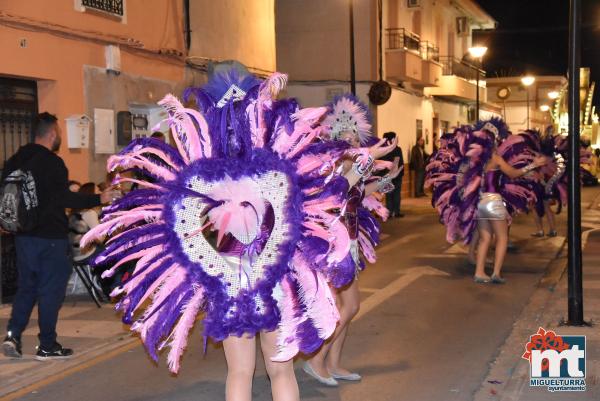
(426, 332)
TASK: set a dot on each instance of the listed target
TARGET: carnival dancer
(348, 121)
(552, 180)
(477, 180)
(231, 224)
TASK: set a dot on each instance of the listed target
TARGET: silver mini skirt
(491, 207)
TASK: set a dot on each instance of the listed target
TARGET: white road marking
(400, 241)
(442, 255)
(456, 249)
(408, 277)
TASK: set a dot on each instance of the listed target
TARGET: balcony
(458, 81)
(408, 58)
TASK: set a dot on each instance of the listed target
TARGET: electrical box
(104, 131)
(148, 118)
(78, 131)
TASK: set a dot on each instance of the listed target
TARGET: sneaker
(57, 352)
(552, 233)
(12, 347)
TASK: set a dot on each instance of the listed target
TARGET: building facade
(526, 107)
(72, 58)
(422, 48)
(101, 66)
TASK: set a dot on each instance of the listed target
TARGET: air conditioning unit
(413, 3)
(462, 26)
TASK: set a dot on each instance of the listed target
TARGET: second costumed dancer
(348, 122)
(479, 180)
(241, 222)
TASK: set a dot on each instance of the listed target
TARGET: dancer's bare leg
(284, 386)
(472, 258)
(550, 216)
(350, 300)
(485, 238)
(240, 353)
(538, 221)
(348, 309)
(500, 228)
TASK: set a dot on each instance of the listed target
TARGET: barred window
(109, 6)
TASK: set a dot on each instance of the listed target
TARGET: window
(109, 8)
(419, 129)
(462, 27)
(445, 126)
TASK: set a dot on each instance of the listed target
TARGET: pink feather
(180, 333)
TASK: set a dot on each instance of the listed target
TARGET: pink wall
(57, 62)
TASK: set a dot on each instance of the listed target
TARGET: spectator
(158, 135)
(43, 262)
(393, 199)
(418, 161)
(74, 186)
(80, 222)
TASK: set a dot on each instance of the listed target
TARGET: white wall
(400, 114)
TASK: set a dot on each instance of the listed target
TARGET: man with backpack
(34, 193)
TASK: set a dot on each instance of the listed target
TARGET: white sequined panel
(274, 187)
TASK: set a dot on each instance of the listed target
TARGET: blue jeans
(44, 267)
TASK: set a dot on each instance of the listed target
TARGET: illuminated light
(553, 95)
(527, 80)
(477, 51)
(544, 107)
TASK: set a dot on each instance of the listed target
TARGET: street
(425, 331)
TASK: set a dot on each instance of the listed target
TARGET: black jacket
(397, 152)
(418, 158)
(52, 185)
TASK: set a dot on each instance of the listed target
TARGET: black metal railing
(400, 38)
(429, 51)
(108, 6)
(460, 68)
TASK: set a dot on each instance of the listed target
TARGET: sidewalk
(508, 379)
(90, 331)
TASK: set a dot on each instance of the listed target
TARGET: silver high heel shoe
(328, 381)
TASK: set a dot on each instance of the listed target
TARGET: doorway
(18, 108)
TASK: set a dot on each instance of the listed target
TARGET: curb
(54, 370)
(516, 376)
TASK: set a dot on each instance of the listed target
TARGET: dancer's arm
(355, 172)
(384, 181)
(514, 172)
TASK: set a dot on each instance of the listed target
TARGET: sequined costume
(240, 222)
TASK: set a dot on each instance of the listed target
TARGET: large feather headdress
(348, 113)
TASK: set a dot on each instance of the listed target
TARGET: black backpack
(19, 205)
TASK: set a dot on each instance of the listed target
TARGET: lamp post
(352, 62)
(477, 52)
(527, 81)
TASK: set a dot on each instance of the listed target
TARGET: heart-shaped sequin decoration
(237, 208)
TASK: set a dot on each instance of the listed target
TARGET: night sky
(532, 37)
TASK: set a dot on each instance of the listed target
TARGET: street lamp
(477, 52)
(553, 95)
(544, 107)
(527, 81)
